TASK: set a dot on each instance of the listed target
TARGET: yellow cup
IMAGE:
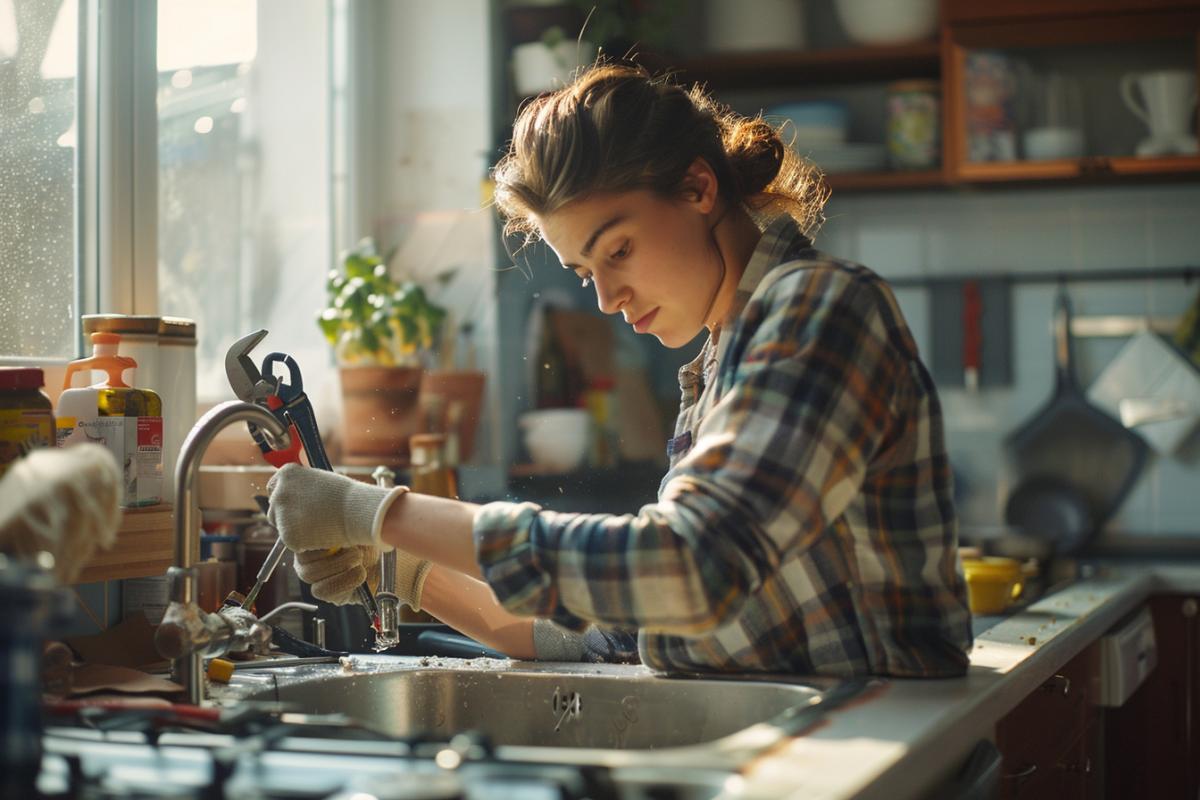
(992, 583)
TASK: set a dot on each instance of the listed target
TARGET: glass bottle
(431, 474)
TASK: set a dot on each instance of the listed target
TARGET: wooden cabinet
(1152, 742)
(1110, 27)
(1050, 742)
(1161, 33)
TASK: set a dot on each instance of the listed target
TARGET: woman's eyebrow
(591, 242)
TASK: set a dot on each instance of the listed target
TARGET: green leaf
(330, 322)
(360, 266)
(369, 339)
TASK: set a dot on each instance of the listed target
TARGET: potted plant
(383, 332)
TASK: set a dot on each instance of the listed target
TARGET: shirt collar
(781, 241)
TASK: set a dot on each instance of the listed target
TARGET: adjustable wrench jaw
(252, 386)
(244, 378)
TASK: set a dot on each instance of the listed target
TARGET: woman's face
(651, 259)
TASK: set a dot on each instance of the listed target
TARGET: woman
(805, 524)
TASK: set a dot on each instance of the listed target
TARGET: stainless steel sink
(595, 707)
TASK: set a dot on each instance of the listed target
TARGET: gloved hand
(66, 502)
(333, 524)
(334, 577)
(317, 510)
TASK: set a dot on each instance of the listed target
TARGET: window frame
(116, 155)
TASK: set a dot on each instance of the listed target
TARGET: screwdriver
(269, 564)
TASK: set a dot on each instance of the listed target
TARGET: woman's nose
(611, 296)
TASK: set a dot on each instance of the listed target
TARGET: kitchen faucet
(188, 633)
(387, 633)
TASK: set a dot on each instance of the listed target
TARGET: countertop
(904, 741)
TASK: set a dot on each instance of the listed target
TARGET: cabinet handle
(1085, 769)
(1019, 777)
(1053, 684)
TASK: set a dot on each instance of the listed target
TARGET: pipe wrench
(290, 405)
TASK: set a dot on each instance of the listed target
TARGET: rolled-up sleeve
(804, 403)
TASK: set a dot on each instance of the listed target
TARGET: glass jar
(431, 470)
(913, 124)
(431, 474)
(26, 415)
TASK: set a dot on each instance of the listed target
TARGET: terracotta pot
(459, 401)
(380, 410)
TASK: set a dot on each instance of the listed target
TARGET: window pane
(38, 46)
(244, 184)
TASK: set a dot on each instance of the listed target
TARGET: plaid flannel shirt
(806, 523)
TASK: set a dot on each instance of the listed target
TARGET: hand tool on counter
(289, 404)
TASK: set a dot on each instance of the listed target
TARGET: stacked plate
(845, 157)
(816, 129)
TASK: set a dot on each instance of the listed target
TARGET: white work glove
(333, 525)
(333, 577)
(65, 502)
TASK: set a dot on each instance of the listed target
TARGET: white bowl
(1047, 143)
(538, 68)
(557, 438)
(888, 21)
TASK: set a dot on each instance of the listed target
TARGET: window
(244, 227)
(233, 228)
(39, 289)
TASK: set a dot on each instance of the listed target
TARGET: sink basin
(523, 704)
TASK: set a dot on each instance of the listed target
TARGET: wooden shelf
(1073, 169)
(1062, 171)
(871, 181)
(145, 546)
(785, 68)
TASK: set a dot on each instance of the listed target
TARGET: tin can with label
(914, 124)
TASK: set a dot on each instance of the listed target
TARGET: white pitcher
(1169, 96)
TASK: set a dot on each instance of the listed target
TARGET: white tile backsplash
(987, 231)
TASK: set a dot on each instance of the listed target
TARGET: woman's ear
(699, 186)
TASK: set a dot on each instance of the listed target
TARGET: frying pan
(1074, 464)
(1051, 508)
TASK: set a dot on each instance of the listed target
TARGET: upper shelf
(785, 68)
(1062, 171)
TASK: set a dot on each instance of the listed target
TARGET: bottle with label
(601, 400)
(126, 420)
(26, 416)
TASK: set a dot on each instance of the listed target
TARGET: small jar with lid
(26, 414)
(431, 473)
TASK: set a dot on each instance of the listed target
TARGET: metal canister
(914, 124)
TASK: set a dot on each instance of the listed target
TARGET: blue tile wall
(1049, 230)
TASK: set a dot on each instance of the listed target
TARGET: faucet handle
(384, 477)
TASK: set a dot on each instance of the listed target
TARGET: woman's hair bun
(755, 153)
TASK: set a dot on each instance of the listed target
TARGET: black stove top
(255, 753)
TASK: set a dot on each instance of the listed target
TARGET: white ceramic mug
(1169, 96)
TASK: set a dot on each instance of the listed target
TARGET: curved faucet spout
(185, 590)
(187, 468)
